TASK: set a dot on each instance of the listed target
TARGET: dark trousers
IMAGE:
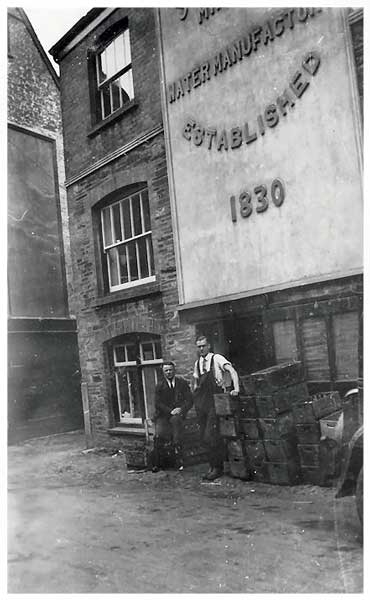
(169, 432)
(170, 428)
(210, 437)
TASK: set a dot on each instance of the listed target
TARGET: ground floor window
(137, 360)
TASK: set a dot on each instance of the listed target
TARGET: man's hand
(176, 411)
(234, 393)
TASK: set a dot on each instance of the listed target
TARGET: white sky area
(50, 24)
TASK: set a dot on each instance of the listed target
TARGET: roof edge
(37, 43)
(75, 30)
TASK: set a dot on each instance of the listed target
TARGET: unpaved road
(81, 523)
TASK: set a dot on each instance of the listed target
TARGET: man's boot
(179, 461)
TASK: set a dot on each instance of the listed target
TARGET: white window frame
(140, 366)
(121, 70)
(132, 240)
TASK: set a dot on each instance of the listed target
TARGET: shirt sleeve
(221, 361)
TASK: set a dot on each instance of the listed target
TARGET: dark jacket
(166, 399)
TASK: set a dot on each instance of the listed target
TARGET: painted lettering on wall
(203, 13)
(258, 36)
(224, 140)
(260, 198)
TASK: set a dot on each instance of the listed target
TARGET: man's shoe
(214, 474)
(205, 477)
(155, 469)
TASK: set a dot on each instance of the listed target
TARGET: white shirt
(171, 382)
(219, 363)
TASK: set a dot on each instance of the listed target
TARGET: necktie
(204, 365)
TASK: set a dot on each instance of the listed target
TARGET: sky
(51, 24)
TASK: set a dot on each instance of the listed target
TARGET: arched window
(137, 360)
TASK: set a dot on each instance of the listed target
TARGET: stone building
(183, 191)
(44, 380)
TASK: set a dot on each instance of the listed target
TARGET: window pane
(107, 227)
(120, 354)
(285, 341)
(157, 350)
(123, 263)
(117, 223)
(102, 69)
(147, 351)
(120, 52)
(131, 247)
(126, 218)
(346, 345)
(150, 254)
(143, 258)
(136, 214)
(127, 86)
(105, 95)
(123, 394)
(110, 62)
(131, 352)
(116, 96)
(145, 207)
(113, 266)
(127, 48)
(128, 393)
(315, 347)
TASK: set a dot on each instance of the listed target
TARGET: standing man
(173, 399)
(209, 378)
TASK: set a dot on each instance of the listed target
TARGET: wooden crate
(239, 467)
(308, 433)
(282, 427)
(229, 427)
(247, 407)
(287, 473)
(249, 428)
(270, 406)
(332, 426)
(311, 475)
(309, 454)
(275, 377)
(280, 450)
(260, 473)
(236, 448)
(281, 400)
(316, 407)
(329, 458)
(247, 385)
(225, 405)
(298, 393)
(255, 452)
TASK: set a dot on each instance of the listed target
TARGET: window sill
(139, 291)
(112, 118)
(127, 430)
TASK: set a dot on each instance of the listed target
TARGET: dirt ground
(80, 522)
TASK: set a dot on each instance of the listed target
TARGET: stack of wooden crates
(267, 428)
(319, 423)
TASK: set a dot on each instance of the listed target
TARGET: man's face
(203, 347)
(169, 371)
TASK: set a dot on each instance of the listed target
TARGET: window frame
(106, 39)
(140, 365)
(112, 247)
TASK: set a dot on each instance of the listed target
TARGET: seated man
(172, 401)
